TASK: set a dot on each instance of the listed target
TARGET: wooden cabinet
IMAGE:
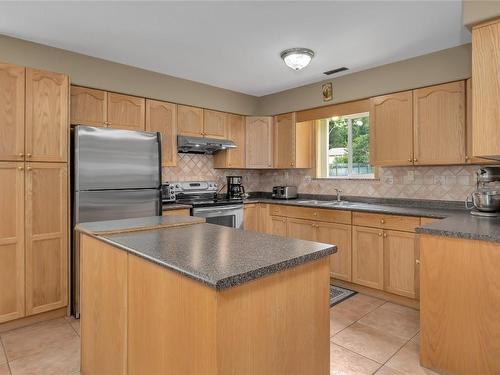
(340, 235)
(259, 142)
(12, 94)
(126, 112)
(486, 93)
(234, 158)
(293, 142)
(251, 217)
(162, 117)
(386, 221)
(400, 263)
(321, 214)
(391, 129)
(277, 226)
(301, 229)
(46, 236)
(47, 118)
(189, 121)
(11, 241)
(177, 212)
(89, 106)
(368, 257)
(214, 124)
(439, 124)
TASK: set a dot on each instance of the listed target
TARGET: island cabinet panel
(126, 112)
(104, 308)
(46, 237)
(439, 124)
(392, 129)
(459, 305)
(400, 263)
(11, 241)
(233, 158)
(162, 117)
(251, 218)
(214, 124)
(178, 212)
(12, 99)
(368, 257)
(277, 226)
(340, 235)
(259, 142)
(190, 121)
(47, 117)
(89, 106)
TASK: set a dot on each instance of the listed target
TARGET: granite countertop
(218, 256)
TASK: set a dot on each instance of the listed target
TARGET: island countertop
(217, 256)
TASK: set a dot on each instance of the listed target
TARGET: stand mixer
(486, 198)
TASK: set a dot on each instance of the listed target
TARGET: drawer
(428, 220)
(384, 221)
(332, 216)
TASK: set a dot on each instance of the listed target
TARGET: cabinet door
(301, 229)
(439, 124)
(162, 117)
(277, 225)
(368, 257)
(236, 132)
(189, 121)
(399, 263)
(259, 142)
(251, 217)
(126, 112)
(391, 129)
(284, 141)
(340, 235)
(12, 86)
(11, 241)
(486, 93)
(304, 144)
(214, 124)
(47, 118)
(46, 237)
(88, 106)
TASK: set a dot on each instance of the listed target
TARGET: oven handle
(217, 208)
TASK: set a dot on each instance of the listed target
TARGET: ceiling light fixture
(297, 58)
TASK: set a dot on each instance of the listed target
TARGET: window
(344, 147)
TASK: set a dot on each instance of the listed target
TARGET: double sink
(313, 202)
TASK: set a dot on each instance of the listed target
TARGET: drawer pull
(380, 234)
(382, 221)
(315, 214)
(417, 261)
(385, 235)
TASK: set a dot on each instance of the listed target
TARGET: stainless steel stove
(203, 196)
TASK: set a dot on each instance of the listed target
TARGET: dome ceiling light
(297, 58)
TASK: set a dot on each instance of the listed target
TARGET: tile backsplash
(442, 183)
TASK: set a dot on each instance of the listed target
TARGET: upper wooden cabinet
(293, 142)
(162, 117)
(439, 124)
(233, 158)
(47, 118)
(486, 93)
(391, 126)
(89, 106)
(189, 121)
(214, 124)
(259, 142)
(12, 92)
(11, 241)
(126, 112)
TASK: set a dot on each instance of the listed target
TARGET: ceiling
(236, 45)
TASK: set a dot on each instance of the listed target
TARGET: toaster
(284, 192)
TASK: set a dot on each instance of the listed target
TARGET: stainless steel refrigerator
(116, 174)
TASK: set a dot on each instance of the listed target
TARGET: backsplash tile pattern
(441, 182)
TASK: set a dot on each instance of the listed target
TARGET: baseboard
(26, 321)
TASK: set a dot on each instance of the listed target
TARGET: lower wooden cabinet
(340, 235)
(277, 226)
(368, 257)
(251, 216)
(11, 241)
(301, 229)
(177, 212)
(46, 237)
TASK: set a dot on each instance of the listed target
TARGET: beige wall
(89, 71)
(443, 66)
(478, 11)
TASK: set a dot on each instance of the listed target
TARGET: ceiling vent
(338, 70)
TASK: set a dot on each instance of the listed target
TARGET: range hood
(202, 145)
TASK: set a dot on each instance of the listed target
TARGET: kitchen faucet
(338, 194)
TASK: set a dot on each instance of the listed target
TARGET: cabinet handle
(20, 168)
(28, 168)
(382, 221)
(284, 220)
(417, 261)
(21, 155)
(315, 214)
(410, 160)
(385, 235)
(291, 164)
(415, 160)
(380, 234)
(466, 157)
(28, 155)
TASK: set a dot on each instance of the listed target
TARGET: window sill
(356, 178)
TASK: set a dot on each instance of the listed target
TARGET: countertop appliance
(202, 195)
(285, 192)
(116, 174)
(235, 189)
(486, 198)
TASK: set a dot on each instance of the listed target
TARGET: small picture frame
(327, 91)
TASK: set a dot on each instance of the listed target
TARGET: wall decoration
(327, 91)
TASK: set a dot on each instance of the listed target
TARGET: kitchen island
(174, 297)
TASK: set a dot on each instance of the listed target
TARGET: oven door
(228, 216)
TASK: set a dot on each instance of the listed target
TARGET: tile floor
(368, 336)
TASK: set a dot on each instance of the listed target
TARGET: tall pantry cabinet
(34, 131)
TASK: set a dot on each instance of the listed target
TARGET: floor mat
(338, 294)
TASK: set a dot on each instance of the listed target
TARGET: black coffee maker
(235, 189)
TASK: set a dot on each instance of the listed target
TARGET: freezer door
(116, 204)
(108, 159)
